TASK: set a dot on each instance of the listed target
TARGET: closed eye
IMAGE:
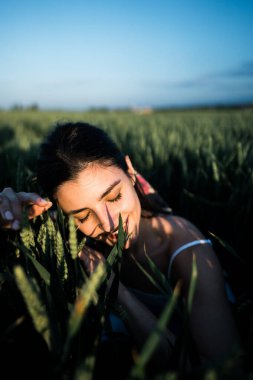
(117, 198)
(85, 218)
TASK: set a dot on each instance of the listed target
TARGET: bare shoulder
(176, 230)
(180, 230)
(183, 228)
(183, 232)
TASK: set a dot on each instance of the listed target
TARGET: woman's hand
(12, 205)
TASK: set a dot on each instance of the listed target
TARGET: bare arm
(138, 319)
(140, 323)
(211, 320)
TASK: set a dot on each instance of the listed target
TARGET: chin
(111, 243)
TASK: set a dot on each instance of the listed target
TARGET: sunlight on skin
(97, 215)
(194, 234)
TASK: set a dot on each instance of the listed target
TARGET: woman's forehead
(98, 174)
(90, 183)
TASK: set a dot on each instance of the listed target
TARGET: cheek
(134, 205)
(89, 228)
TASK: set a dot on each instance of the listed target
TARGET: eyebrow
(106, 192)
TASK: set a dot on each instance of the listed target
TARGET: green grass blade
(87, 294)
(44, 274)
(162, 280)
(150, 277)
(112, 257)
(193, 284)
(34, 303)
(227, 247)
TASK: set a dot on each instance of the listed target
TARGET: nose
(107, 220)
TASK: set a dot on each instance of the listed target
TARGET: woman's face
(96, 198)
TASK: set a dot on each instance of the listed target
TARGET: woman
(81, 169)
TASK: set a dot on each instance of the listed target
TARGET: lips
(113, 236)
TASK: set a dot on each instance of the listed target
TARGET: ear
(130, 169)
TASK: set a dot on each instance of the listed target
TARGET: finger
(38, 204)
(13, 205)
(33, 198)
(5, 208)
(6, 216)
(35, 210)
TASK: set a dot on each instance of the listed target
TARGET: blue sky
(131, 53)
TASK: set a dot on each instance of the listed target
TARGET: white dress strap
(185, 246)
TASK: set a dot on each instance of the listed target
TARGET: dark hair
(70, 148)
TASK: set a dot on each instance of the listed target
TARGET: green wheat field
(52, 313)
